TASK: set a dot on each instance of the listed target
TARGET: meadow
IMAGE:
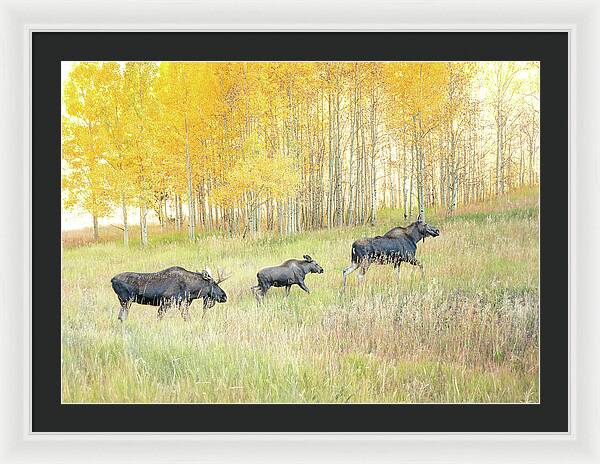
(466, 330)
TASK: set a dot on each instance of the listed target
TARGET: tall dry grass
(465, 331)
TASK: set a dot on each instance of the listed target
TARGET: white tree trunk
(192, 219)
(143, 225)
(125, 223)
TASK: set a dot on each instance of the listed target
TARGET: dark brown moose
(172, 286)
(291, 272)
(396, 246)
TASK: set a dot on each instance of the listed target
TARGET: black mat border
(49, 48)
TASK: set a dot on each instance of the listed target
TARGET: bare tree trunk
(387, 178)
(268, 216)
(178, 219)
(404, 174)
(454, 162)
(360, 159)
(412, 175)
(200, 217)
(125, 223)
(351, 157)
(499, 153)
(96, 233)
(442, 177)
(508, 175)
(531, 156)
(210, 218)
(161, 215)
(532, 140)
(330, 193)
(166, 208)
(420, 167)
(192, 219)
(373, 154)
(421, 182)
(143, 224)
(181, 215)
(521, 160)
(320, 210)
(364, 174)
(280, 229)
(159, 212)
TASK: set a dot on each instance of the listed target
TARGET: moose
(172, 286)
(290, 272)
(397, 245)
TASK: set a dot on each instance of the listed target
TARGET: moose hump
(397, 245)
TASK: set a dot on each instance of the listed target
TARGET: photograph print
(300, 232)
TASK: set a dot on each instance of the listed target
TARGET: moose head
(424, 230)
(214, 293)
(312, 265)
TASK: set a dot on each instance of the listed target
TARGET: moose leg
(255, 290)
(416, 262)
(287, 290)
(397, 269)
(124, 311)
(259, 292)
(261, 295)
(185, 311)
(162, 309)
(303, 286)
(364, 267)
(346, 272)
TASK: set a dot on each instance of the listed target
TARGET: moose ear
(419, 218)
(307, 258)
(205, 275)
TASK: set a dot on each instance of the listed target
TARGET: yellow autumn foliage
(334, 141)
(256, 177)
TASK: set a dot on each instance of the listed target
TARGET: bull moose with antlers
(396, 246)
(172, 286)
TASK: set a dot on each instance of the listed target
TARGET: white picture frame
(581, 19)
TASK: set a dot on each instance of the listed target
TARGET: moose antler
(221, 276)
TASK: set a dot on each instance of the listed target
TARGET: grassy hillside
(465, 331)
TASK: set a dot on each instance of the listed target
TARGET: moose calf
(285, 275)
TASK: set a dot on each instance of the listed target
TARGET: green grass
(465, 331)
